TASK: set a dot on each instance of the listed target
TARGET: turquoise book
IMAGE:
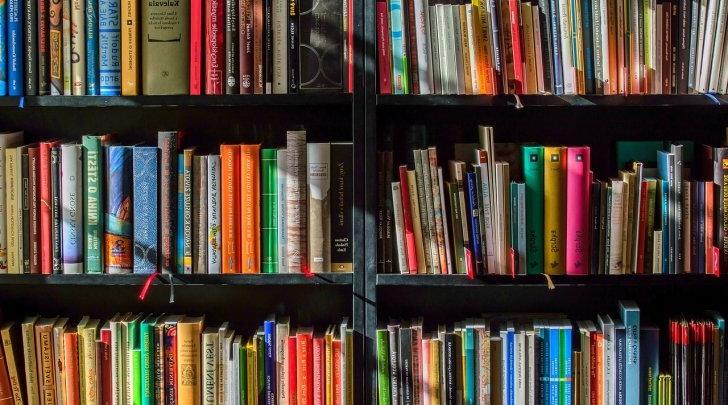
(145, 166)
(269, 212)
(469, 343)
(92, 46)
(109, 49)
(400, 82)
(533, 178)
(93, 186)
(630, 314)
(146, 359)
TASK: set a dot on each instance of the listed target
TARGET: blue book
(472, 204)
(556, 48)
(666, 171)
(3, 51)
(664, 213)
(620, 351)
(650, 362)
(109, 49)
(553, 361)
(92, 45)
(180, 251)
(145, 167)
(399, 59)
(565, 366)
(511, 376)
(630, 314)
(269, 334)
(469, 342)
(14, 45)
(588, 43)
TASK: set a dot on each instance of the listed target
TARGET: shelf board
(651, 100)
(178, 279)
(429, 280)
(301, 99)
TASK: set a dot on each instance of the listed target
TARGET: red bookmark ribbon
(147, 284)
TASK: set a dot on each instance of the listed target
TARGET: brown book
(29, 359)
(11, 345)
(44, 357)
(71, 394)
(165, 47)
(189, 331)
(34, 208)
(258, 62)
(55, 47)
(246, 46)
(159, 362)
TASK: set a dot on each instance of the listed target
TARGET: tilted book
(71, 212)
(319, 210)
(165, 47)
(118, 243)
(145, 166)
(250, 208)
(296, 209)
(213, 239)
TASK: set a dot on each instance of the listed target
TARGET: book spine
(43, 55)
(533, 166)
(631, 319)
(23, 231)
(213, 238)
(410, 28)
(246, 46)
(165, 47)
(642, 227)
(425, 204)
(438, 208)
(250, 208)
(93, 42)
(11, 172)
(229, 197)
(93, 219)
(473, 214)
(118, 246)
(664, 220)
(44, 353)
(588, 46)
(15, 45)
(78, 47)
(104, 354)
(168, 143)
(553, 210)
(232, 84)
(197, 46)
(45, 208)
(577, 205)
(188, 361)
(399, 56)
(55, 46)
(268, 45)
(293, 32)
(258, 43)
(384, 52)
(296, 210)
(146, 333)
(269, 214)
(182, 231)
(170, 364)
(145, 164)
(269, 333)
(409, 235)
(129, 40)
(55, 209)
(3, 76)
(319, 210)
(199, 215)
(456, 223)
(215, 46)
(342, 215)
(281, 216)
(186, 209)
(279, 51)
(556, 47)
(33, 209)
(72, 214)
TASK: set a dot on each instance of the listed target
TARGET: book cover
(232, 84)
(214, 240)
(78, 47)
(147, 358)
(184, 219)
(296, 207)
(197, 46)
(145, 166)
(578, 167)
(319, 209)
(320, 61)
(533, 167)
(200, 213)
(188, 360)
(269, 207)
(93, 40)
(630, 315)
(409, 233)
(165, 48)
(269, 331)
(554, 185)
(71, 212)
(55, 50)
(15, 44)
(93, 193)
(230, 208)
(129, 52)
(168, 143)
(46, 219)
(214, 46)
(342, 214)
(250, 208)
(118, 242)
(399, 240)
(282, 175)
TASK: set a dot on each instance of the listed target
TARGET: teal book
(565, 365)
(400, 82)
(93, 216)
(269, 213)
(533, 177)
(384, 393)
(469, 343)
(146, 359)
(630, 314)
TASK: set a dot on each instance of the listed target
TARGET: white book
(448, 44)
(230, 369)
(222, 365)
(472, 46)
(711, 22)
(609, 362)
(657, 83)
(296, 208)
(458, 48)
(210, 358)
(566, 50)
(430, 203)
(441, 24)
(235, 379)
(520, 367)
(615, 228)
(487, 218)
(718, 47)
(424, 56)
(399, 227)
(281, 164)
(117, 370)
(319, 209)
(214, 241)
(71, 208)
(448, 254)
(66, 41)
(279, 22)
(723, 81)
(433, 31)
(78, 47)
(7, 140)
(531, 374)
(282, 360)
(700, 34)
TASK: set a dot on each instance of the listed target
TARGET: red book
(595, 367)
(214, 46)
(384, 51)
(578, 166)
(642, 229)
(515, 22)
(170, 363)
(336, 348)
(105, 351)
(409, 233)
(319, 370)
(70, 356)
(33, 208)
(292, 360)
(46, 234)
(709, 215)
(304, 367)
(246, 46)
(195, 47)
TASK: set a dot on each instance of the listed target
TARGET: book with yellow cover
(129, 48)
(8, 334)
(250, 208)
(189, 330)
(554, 203)
(88, 361)
(44, 357)
(29, 358)
(329, 366)
(251, 352)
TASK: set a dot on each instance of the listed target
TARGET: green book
(136, 356)
(259, 337)
(243, 374)
(514, 221)
(93, 186)
(383, 366)
(457, 227)
(146, 359)
(269, 213)
(533, 177)
(133, 357)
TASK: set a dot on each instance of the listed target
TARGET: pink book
(409, 233)
(195, 47)
(577, 206)
(384, 51)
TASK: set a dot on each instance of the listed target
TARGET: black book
(342, 214)
(683, 46)
(459, 361)
(30, 45)
(694, 215)
(450, 366)
(405, 365)
(44, 73)
(544, 22)
(381, 195)
(56, 208)
(675, 34)
(320, 61)
(293, 75)
(596, 199)
(232, 84)
(25, 195)
(588, 41)
(268, 45)
(388, 214)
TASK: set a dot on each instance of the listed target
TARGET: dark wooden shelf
(304, 99)
(653, 100)
(181, 279)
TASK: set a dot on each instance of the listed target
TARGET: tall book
(210, 361)
(118, 242)
(46, 215)
(342, 213)
(279, 23)
(55, 202)
(30, 359)
(245, 53)
(71, 212)
(282, 216)
(92, 42)
(319, 210)
(7, 140)
(184, 212)
(188, 360)
(24, 204)
(232, 84)
(147, 358)
(230, 209)
(90, 375)
(78, 47)
(168, 143)
(70, 361)
(129, 52)
(296, 207)
(554, 209)
(630, 315)
(578, 166)
(250, 208)
(197, 46)
(214, 46)
(269, 214)
(93, 186)
(165, 47)
(199, 215)
(145, 166)
(315, 19)
(44, 355)
(42, 54)
(533, 167)
(214, 240)
(55, 47)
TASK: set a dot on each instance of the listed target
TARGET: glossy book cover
(118, 238)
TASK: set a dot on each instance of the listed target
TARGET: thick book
(232, 84)
(342, 213)
(578, 167)
(34, 208)
(269, 210)
(197, 46)
(46, 235)
(199, 215)
(409, 233)
(147, 358)
(42, 55)
(214, 240)
(230, 208)
(214, 46)
(184, 212)
(384, 51)
(168, 143)
(55, 46)
(320, 61)
(14, 265)
(296, 207)
(71, 212)
(165, 47)
(145, 196)
(554, 208)
(78, 47)
(250, 208)
(129, 49)
(118, 242)
(630, 314)
(649, 363)
(533, 167)
(55, 202)
(93, 185)
(17, 24)
(93, 50)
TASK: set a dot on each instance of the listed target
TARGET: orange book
(597, 369)
(337, 400)
(249, 208)
(72, 395)
(304, 367)
(229, 201)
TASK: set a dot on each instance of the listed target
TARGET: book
(269, 204)
(200, 213)
(93, 50)
(168, 143)
(230, 210)
(315, 56)
(145, 163)
(55, 50)
(577, 190)
(319, 207)
(232, 84)
(78, 47)
(109, 50)
(93, 186)
(118, 232)
(184, 211)
(188, 364)
(71, 212)
(214, 240)
(250, 208)
(214, 47)
(296, 210)
(129, 48)
(533, 167)
(554, 183)
(43, 55)
(165, 48)
(7, 140)
(282, 216)
(342, 214)
(15, 43)
(197, 46)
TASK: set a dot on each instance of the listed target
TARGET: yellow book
(529, 56)
(7, 333)
(554, 180)
(88, 361)
(416, 222)
(465, 46)
(434, 372)
(329, 366)
(483, 53)
(29, 358)
(188, 360)
(11, 207)
(44, 357)
(251, 351)
(129, 48)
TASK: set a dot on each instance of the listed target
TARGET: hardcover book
(78, 47)
(71, 212)
(165, 47)
(109, 38)
(92, 42)
(246, 43)
(168, 143)
(250, 208)
(129, 52)
(320, 54)
(16, 20)
(66, 47)
(184, 220)
(188, 360)
(282, 216)
(554, 185)
(342, 213)
(56, 47)
(232, 84)
(230, 208)
(296, 211)
(55, 208)
(199, 214)
(145, 164)
(269, 214)
(215, 46)
(7, 140)
(43, 56)
(118, 242)
(578, 168)
(93, 194)
(197, 46)
(533, 167)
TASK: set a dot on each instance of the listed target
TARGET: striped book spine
(118, 237)
(92, 46)
(109, 77)
(269, 215)
(71, 213)
(296, 207)
(213, 215)
(93, 190)
(145, 164)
